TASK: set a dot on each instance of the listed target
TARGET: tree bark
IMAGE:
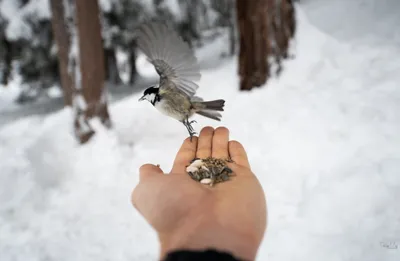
(111, 67)
(261, 24)
(276, 34)
(232, 28)
(243, 64)
(132, 61)
(7, 60)
(290, 17)
(252, 19)
(62, 39)
(261, 43)
(91, 61)
(133, 72)
(285, 26)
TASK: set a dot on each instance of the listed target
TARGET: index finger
(238, 154)
(186, 153)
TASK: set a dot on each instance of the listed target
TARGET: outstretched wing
(171, 56)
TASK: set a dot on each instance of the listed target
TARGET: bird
(178, 70)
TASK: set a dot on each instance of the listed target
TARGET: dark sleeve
(209, 255)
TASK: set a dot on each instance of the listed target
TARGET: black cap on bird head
(150, 94)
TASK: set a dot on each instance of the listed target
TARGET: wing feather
(171, 56)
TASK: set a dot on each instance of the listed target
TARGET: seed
(206, 181)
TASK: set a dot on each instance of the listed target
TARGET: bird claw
(191, 135)
(189, 128)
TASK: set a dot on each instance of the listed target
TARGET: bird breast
(177, 108)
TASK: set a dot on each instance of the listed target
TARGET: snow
(8, 95)
(18, 27)
(106, 5)
(323, 140)
(173, 7)
(359, 25)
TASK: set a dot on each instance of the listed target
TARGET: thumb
(144, 190)
(149, 170)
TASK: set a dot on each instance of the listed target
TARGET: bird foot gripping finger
(191, 135)
(189, 129)
(191, 132)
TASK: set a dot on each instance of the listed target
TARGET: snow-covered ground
(323, 140)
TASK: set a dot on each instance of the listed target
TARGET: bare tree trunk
(244, 65)
(62, 39)
(91, 61)
(290, 17)
(261, 43)
(276, 34)
(232, 29)
(254, 45)
(111, 67)
(261, 24)
(132, 61)
(7, 60)
(133, 73)
(285, 26)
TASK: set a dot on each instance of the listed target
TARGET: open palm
(187, 214)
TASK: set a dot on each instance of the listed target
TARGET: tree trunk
(276, 34)
(7, 60)
(132, 61)
(91, 61)
(62, 39)
(284, 26)
(290, 17)
(252, 19)
(111, 67)
(261, 43)
(232, 28)
(262, 23)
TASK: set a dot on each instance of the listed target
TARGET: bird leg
(189, 128)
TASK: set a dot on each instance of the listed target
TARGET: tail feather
(216, 105)
(210, 114)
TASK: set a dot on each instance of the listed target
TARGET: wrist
(203, 232)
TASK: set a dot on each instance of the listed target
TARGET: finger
(143, 196)
(220, 143)
(205, 142)
(238, 154)
(186, 153)
(148, 170)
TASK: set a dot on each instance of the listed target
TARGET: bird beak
(141, 99)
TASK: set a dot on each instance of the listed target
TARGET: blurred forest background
(80, 50)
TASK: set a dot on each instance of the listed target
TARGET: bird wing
(172, 57)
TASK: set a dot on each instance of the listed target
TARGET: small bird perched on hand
(178, 69)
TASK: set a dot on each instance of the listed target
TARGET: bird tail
(209, 108)
(210, 114)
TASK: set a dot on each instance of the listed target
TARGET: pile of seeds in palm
(209, 171)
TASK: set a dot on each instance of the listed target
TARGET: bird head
(150, 94)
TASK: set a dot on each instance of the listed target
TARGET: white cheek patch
(150, 97)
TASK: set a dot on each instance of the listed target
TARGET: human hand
(231, 216)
